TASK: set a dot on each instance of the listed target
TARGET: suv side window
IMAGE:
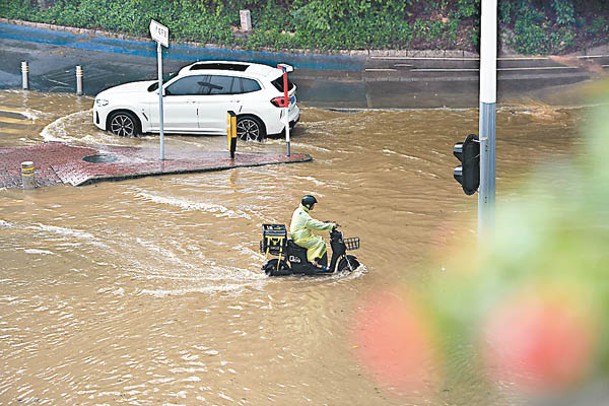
(221, 84)
(211, 84)
(190, 85)
(249, 85)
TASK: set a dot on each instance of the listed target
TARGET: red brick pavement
(58, 163)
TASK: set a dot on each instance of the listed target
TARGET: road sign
(159, 33)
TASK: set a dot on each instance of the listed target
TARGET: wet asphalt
(358, 80)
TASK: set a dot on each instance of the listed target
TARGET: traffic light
(468, 174)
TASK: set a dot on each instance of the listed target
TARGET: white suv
(197, 99)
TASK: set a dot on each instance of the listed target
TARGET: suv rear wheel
(124, 124)
(250, 128)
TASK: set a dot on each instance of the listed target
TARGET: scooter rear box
(274, 238)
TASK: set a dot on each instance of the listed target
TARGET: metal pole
(24, 75)
(79, 75)
(287, 112)
(287, 132)
(488, 113)
(159, 51)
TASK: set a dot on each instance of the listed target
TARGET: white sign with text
(159, 33)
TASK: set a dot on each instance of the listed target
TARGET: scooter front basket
(351, 243)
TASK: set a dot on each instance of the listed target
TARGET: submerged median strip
(57, 163)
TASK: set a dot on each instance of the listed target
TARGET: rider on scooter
(300, 231)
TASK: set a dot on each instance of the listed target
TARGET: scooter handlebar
(336, 225)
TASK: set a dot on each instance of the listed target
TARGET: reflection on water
(150, 291)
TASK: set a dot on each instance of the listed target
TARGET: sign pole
(488, 118)
(160, 34)
(285, 68)
(287, 112)
(159, 51)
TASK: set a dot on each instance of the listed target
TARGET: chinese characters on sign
(159, 33)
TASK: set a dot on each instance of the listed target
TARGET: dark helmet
(308, 201)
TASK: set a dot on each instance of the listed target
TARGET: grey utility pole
(488, 120)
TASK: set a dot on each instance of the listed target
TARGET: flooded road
(150, 291)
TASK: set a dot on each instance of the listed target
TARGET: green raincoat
(300, 231)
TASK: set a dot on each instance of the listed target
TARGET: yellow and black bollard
(28, 179)
(231, 132)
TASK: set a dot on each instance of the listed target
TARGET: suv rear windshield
(278, 83)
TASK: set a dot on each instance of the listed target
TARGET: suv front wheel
(250, 128)
(124, 124)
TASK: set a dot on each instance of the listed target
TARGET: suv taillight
(279, 101)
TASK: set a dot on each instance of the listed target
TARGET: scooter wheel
(275, 267)
(348, 266)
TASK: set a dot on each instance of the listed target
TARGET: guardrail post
(24, 75)
(28, 179)
(79, 76)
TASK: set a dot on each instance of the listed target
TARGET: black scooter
(291, 259)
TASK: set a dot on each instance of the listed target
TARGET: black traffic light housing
(468, 174)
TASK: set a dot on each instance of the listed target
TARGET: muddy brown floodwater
(150, 292)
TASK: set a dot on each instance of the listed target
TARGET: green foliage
(562, 39)
(565, 12)
(429, 30)
(273, 29)
(599, 26)
(535, 27)
(350, 24)
(192, 20)
(536, 32)
(467, 9)
(530, 31)
(19, 9)
(505, 12)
